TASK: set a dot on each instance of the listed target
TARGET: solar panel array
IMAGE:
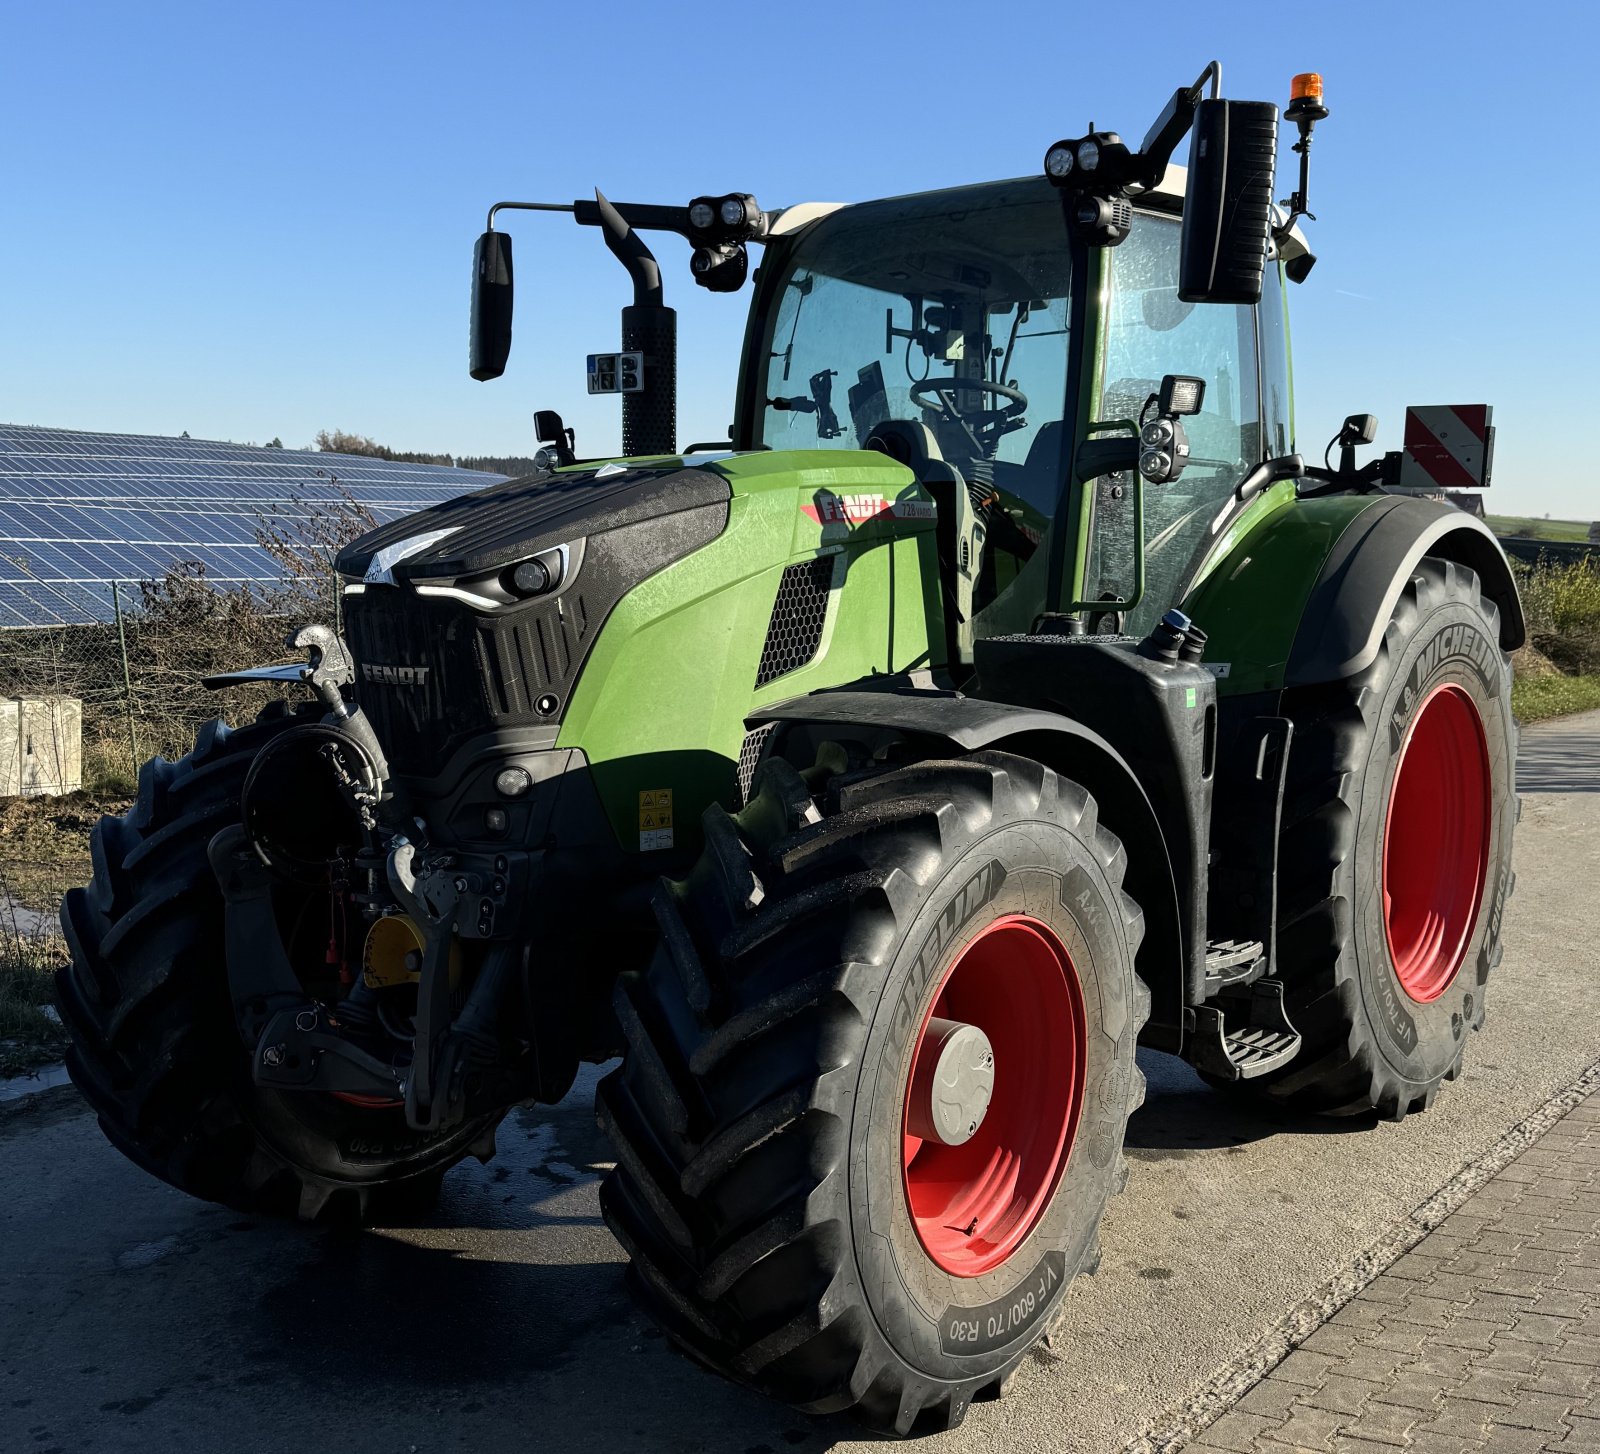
(79, 511)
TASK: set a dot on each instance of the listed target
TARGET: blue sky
(256, 220)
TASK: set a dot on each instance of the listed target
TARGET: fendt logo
(393, 676)
(831, 509)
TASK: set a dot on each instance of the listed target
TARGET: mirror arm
(529, 207)
(1155, 151)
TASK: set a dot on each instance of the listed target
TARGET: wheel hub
(982, 1155)
(953, 1084)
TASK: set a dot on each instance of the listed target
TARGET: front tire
(792, 1218)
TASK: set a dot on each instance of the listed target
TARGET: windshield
(947, 309)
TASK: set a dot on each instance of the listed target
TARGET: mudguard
(1363, 575)
(1298, 592)
(950, 720)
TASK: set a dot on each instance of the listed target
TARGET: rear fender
(1363, 575)
(947, 722)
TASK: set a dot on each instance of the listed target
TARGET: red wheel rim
(1436, 842)
(973, 1205)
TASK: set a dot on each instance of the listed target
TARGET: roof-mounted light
(735, 217)
(1306, 84)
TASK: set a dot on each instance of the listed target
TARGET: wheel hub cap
(953, 1085)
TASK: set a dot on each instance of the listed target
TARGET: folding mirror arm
(644, 215)
(1155, 151)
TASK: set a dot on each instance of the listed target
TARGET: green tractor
(1004, 694)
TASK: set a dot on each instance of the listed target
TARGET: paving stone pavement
(1485, 1336)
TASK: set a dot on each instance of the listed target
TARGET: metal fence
(138, 674)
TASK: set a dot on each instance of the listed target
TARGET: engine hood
(444, 652)
(514, 519)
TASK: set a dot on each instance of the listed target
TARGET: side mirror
(549, 428)
(491, 306)
(1227, 208)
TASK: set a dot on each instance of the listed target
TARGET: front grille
(418, 675)
(535, 652)
(798, 614)
(749, 755)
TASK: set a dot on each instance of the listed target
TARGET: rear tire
(155, 1050)
(1395, 855)
(766, 1173)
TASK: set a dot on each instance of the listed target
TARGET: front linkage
(381, 863)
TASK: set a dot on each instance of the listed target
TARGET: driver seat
(911, 443)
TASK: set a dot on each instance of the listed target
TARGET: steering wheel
(984, 426)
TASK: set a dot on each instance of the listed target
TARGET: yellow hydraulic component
(392, 954)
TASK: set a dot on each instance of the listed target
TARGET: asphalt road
(132, 1318)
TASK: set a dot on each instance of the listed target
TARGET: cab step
(1233, 961)
(1245, 1033)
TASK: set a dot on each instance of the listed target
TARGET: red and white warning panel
(1448, 447)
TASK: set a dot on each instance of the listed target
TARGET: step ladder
(1244, 1033)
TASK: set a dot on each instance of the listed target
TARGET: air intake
(749, 755)
(795, 631)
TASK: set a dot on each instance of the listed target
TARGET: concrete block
(41, 746)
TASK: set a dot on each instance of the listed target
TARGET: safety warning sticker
(655, 819)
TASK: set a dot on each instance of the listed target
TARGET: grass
(30, 1035)
(1536, 698)
(44, 851)
(1533, 527)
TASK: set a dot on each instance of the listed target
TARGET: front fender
(1362, 578)
(946, 721)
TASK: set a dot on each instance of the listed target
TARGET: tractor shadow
(1183, 1115)
(503, 1320)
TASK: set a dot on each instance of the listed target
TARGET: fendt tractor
(1003, 694)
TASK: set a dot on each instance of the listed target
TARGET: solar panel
(79, 511)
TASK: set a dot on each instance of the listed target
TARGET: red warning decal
(1448, 447)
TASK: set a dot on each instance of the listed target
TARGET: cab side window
(1150, 331)
(1276, 392)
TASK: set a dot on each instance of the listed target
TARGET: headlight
(1088, 154)
(701, 216)
(732, 212)
(531, 577)
(1155, 465)
(512, 782)
(1058, 161)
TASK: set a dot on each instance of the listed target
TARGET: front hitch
(293, 1045)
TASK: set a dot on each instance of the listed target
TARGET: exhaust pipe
(650, 416)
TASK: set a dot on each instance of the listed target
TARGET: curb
(1219, 1393)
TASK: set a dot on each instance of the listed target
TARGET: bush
(1562, 603)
